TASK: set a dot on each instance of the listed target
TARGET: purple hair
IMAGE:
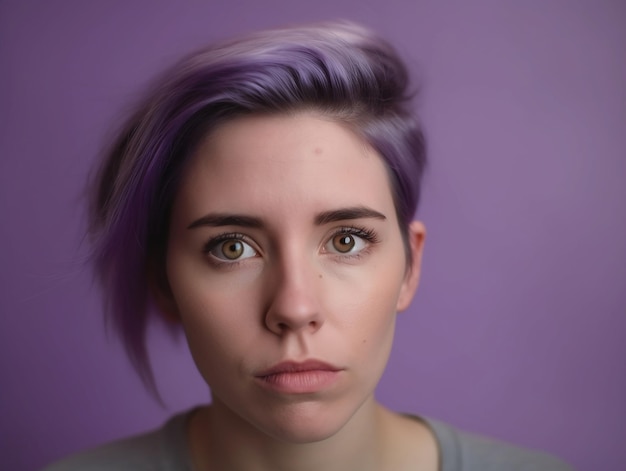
(340, 69)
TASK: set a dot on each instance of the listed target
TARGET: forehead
(283, 163)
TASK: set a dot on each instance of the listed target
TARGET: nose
(293, 298)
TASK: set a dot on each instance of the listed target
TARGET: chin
(300, 422)
(303, 429)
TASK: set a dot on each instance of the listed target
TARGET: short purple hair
(339, 69)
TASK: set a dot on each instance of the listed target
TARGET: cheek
(221, 338)
(372, 333)
(378, 311)
(217, 323)
(203, 298)
(377, 324)
(367, 312)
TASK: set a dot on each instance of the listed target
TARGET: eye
(230, 249)
(349, 241)
(344, 243)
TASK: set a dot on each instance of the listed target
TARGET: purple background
(519, 328)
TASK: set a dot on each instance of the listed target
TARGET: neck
(222, 440)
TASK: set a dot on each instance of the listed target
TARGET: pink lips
(299, 378)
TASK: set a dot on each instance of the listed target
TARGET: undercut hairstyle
(339, 69)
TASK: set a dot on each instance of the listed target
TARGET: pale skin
(284, 246)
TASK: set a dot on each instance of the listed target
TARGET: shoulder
(462, 451)
(163, 448)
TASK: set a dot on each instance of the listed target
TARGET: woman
(262, 197)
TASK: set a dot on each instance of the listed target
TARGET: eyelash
(366, 234)
(221, 238)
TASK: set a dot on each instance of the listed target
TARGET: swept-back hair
(339, 69)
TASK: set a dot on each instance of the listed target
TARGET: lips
(306, 377)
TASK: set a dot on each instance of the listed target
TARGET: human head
(340, 70)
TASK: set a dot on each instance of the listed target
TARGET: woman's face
(287, 267)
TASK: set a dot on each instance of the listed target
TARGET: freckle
(320, 276)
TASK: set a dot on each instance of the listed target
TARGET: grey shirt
(166, 449)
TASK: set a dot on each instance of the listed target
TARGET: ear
(416, 238)
(163, 296)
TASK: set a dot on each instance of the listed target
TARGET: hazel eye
(232, 250)
(343, 243)
(346, 242)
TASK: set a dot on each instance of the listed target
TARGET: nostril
(285, 326)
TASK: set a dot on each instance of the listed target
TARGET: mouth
(306, 377)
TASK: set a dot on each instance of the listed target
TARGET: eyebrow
(216, 220)
(344, 214)
(326, 217)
